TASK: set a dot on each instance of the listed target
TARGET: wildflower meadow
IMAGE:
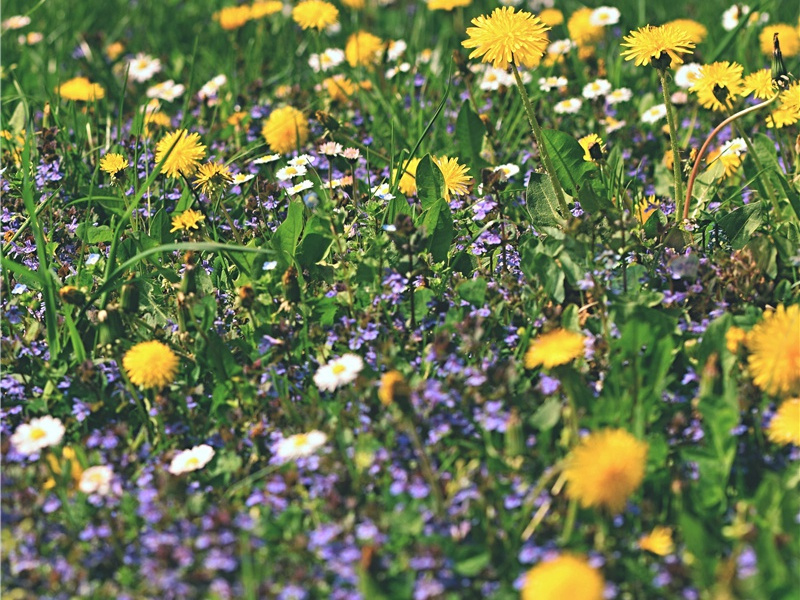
(400, 299)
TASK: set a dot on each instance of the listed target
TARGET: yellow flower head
(729, 159)
(112, 163)
(339, 88)
(734, 338)
(646, 208)
(393, 386)
(589, 142)
(186, 154)
(557, 347)
(759, 84)
(697, 32)
(408, 181)
(782, 117)
(456, 176)
(568, 576)
(447, 4)
(507, 36)
(113, 50)
(233, 17)
(354, 4)
(785, 425)
(80, 88)
(790, 99)
(188, 219)
(265, 8)
(150, 364)
(605, 469)
(211, 177)
(551, 17)
(774, 346)
(581, 30)
(285, 129)
(315, 14)
(718, 84)
(788, 37)
(363, 48)
(658, 541)
(659, 47)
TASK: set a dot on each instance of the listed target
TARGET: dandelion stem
(708, 141)
(673, 137)
(539, 137)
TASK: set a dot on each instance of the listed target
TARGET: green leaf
(547, 415)
(473, 291)
(313, 248)
(567, 155)
(94, 234)
(397, 206)
(288, 233)
(739, 224)
(17, 121)
(470, 132)
(430, 182)
(540, 197)
(438, 223)
(472, 566)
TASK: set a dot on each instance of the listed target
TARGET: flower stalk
(673, 136)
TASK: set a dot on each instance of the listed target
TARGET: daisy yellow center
(338, 369)
(193, 462)
(37, 433)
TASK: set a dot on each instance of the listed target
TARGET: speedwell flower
(657, 46)
(506, 37)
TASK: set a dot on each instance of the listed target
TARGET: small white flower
(302, 160)
(548, 83)
(40, 433)
(686, 75)
(735, 146)
(96, 480)
(560, 47)
(300, 187)
(300, 445)
(270, 265)
(330, 58)
(16, 22)
(508, 170)
(191, 460)
(730, 18)
(211, 88)
(142, 67)
(338, 372)
(597, 88)
(620, 95)
(493, 79)
(167, 90)
(240, 178)
(569, 106)
(611, 124)
(382, 191)
(654, 113)
(290, 172)
(266, 159)
(604, 15)
(351, 153)
(330, 149)
(396, 49)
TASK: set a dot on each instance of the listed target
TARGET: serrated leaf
(739, 224)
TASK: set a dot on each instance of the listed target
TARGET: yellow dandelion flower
(456, 176)
(150, 364)
(774, 345)
(286, 129)
(113, 50)
(697, 32)
(593, 147)
(787, 36)
(718, 84)
(759, 84)
(447, 4)
(790, 98)
(507, 36)
(393, 387)
(211, 177)
(784, 428)
(188, 219)
(315, 14)
(265, 8)
(112, 163)
(557, 347)
(568, 576)
(233, 17)
(408, 181)
(354, 4)
(782, 117)
(730, 160)
(186, 154)
(363, 48)
(659, 47)
(659, 541)
(605, 469)
(580, 28)
(734, 338)
(646, 208)
(339, 88)
(551, 17)
(81, 89)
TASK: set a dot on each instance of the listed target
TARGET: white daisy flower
(654, 113)
(597, 88)
(16, 22)
(143, 67)
(300, 445)
(730, 18)
(396, 49)
(569, 106)
(96, 480)
(300, 187)
(327, 60)
(686, 75)
(604, 15)
(290, 172)
(560, 47)
(611, 124)
(620, 95)
(548, 83)
(211, 88)
(167, 90)
(735, 146)
(382, 191)
(240, 178)
(493, 79)
(508, 170)
(302, 160)
(330, 148)
(338, 372)
(266, 159)
(191, 460)
(40, 433)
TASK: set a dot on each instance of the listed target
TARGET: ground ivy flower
(211, 177)
(718, 84)
(315, 14)
(300, 445)
(659, 541)
(96, 480)
(556, 347)
(338, 372)
(43, 432)
(659, 47)
(150, 364)
(774, 347)
(567, 576)
(605, 469)
(191, 460)
(784, 428)
(112, 163)
(507, 36)
(181, 152)
(286, 128)
(80, 89)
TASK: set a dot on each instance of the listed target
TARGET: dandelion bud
(71, 295)
(291, 287)
(247, 296)
(129, 296)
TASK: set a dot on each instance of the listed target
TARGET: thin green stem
(759, 167)
(673, 138)
(539, 137)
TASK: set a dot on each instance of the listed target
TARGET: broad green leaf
(567, 155)
(473, 291)
(288, 233)
(541, 199)
(438, 223)
(470, 132)
(739, 224)
(430, 182)
(547, 415)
